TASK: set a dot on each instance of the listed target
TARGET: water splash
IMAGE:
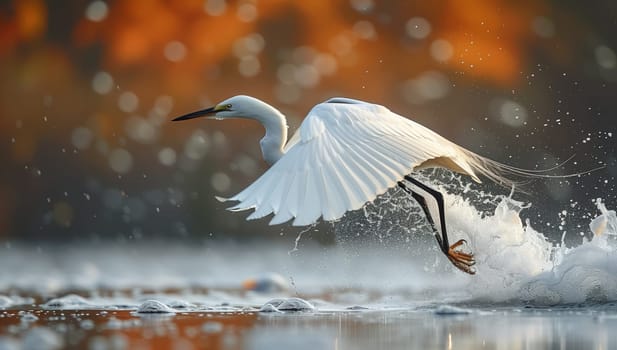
(515, 261)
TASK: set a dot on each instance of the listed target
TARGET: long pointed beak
(202, 113)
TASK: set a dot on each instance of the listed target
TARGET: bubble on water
(67, 302)
(167, 156)
(543, 27)
(441, 50)
(215, 7)
(120, 160)
(430, 85)
(418, 27)
(128, 102)
(220, 182)
(247, 12)
(102, 83)
(140, 129)
(154, 306)
(197, 145)
(97, 11)
(81, 138)
(605, 57)
(365, 30)
(249, 66)
(175, 51)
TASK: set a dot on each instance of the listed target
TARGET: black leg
(420, 192)
(440, 234)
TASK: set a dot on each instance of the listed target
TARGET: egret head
(240, 106)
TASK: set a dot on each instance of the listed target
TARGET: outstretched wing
(346, 153)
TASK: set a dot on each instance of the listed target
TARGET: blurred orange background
(88, 88)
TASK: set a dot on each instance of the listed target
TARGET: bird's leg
(420, 192)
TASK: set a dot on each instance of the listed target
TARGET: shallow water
(528, 292)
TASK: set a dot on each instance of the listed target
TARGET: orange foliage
(31, 18)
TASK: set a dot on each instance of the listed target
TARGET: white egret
(345, 154)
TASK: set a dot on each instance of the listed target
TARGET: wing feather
(343, 156)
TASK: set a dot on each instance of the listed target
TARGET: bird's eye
(228, 106)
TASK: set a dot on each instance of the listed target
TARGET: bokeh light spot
(249, 66)
(430, 85)
(102, 83)
(197, 145)
(81, 138)
(120, 160)
(97, 11)
(215, 7)
(510, 113)
(140, 130)
(365, 30)
(363, 6)
(543, 27)
(128, 102)
(247, 12)
(418, 27)
(220, 182)
(175, 51)
(605, 57)
(167, 156)
(441, 50)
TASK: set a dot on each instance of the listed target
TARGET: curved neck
(276, 133)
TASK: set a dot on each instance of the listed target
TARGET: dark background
(88, 89)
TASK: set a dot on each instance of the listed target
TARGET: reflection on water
(507, 329)
(579, 328)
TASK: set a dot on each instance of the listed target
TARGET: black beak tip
(201, 113)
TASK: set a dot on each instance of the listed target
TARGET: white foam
(515, 262)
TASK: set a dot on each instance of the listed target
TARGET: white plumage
(346, 155)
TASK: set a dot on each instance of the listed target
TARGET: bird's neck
(276, 134)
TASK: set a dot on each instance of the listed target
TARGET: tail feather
(509, 176)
